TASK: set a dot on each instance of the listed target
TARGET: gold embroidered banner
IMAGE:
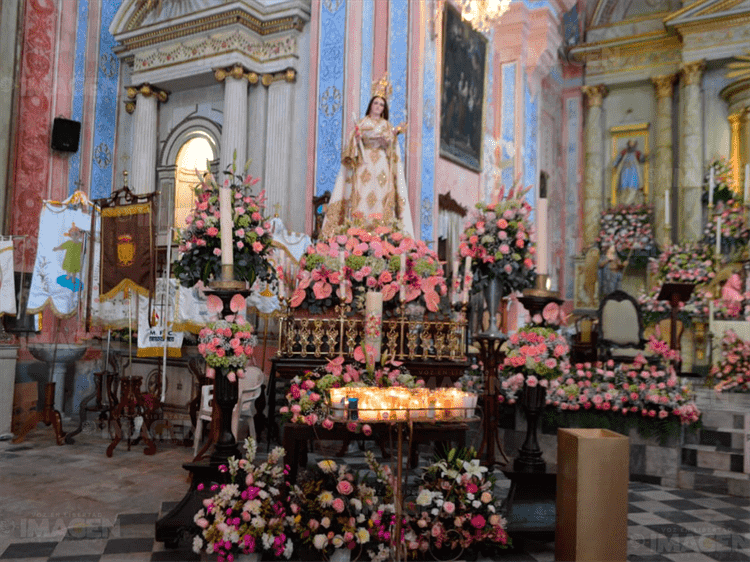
(127, 250)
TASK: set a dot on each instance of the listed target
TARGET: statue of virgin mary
(371, 186)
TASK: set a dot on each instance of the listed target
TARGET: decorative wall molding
(220, 43)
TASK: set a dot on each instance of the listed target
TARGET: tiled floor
(72, 503)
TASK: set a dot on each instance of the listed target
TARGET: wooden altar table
(296, 437)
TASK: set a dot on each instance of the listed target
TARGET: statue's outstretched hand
(401, 128)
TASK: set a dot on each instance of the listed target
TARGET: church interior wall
(716, 128)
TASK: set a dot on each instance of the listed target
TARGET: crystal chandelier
(483, 15)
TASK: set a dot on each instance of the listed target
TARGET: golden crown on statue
(382, 88)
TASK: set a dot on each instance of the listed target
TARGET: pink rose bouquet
(538, 354)
(227, 345)
(350, 264)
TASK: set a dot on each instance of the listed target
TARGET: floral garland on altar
(357, 261)
(629, 229)
(732, 371)
(638, 388)
(689, 263)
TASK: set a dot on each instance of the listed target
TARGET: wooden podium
(675, 293)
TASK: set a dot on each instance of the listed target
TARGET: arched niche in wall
(169, 174)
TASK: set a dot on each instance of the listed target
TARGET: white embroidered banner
(151, 323)
(59, 269)
(7, 280)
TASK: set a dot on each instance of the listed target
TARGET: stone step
(704, 456)
(714, 481)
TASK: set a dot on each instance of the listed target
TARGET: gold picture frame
(638, 133)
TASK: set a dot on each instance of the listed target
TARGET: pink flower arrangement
(227, 345)
(248, 514)
(735, 233)
(200, 241)
(331, 506)
(498, 239)
(732, 371)
(691, 263)
(350, 264)
(628, 228)
(455, 509)
(537, 353)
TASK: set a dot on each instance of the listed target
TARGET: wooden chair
(583, 347)
(620, 333)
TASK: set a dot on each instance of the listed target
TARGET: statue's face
(377, 107)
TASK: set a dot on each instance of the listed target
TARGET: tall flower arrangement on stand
(497, 239)
(200, 241)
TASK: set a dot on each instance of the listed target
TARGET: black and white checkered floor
(72, 503)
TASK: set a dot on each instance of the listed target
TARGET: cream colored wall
(716, 129)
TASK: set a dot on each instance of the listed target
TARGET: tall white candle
(718, 235)
(541, 244)
(666, 207)
(225, 221)
(342, 280)
(747, 184)
(467, 280)
(454, 282)
(711, 187)
(402, 289)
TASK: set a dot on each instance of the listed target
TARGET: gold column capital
(266, 80)
(692, 72)
(236, 71)
(290, 75)
(145, 90)
(253, 78)
(663, 85)
(595, 94)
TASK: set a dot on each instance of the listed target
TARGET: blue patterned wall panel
(507, 123)
(105, 113)
(368, 26)
(429, 132)
(531, 127)
(330, 94)
(398, 62)
(79, 75)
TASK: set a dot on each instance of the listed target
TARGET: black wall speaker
(65, 134)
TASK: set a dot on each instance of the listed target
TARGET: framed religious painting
(629, 164)
(462, 91)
